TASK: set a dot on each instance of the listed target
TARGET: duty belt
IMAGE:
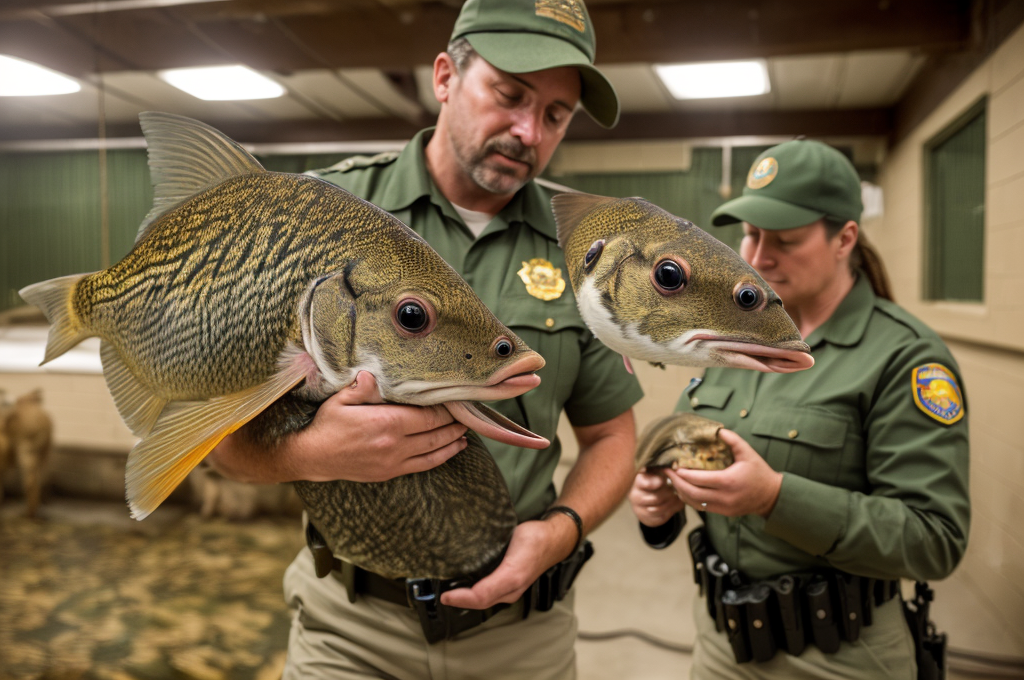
(822, 608)
(441, 622)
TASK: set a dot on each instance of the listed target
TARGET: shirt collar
(409, 181)
(848, 323)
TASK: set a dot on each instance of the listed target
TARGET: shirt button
(549, 323)
(793, 434)
(743, 413)
(694, 401)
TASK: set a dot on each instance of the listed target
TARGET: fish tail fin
(187, 431)
(53, 297)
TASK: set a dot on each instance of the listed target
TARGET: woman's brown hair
(865, 258)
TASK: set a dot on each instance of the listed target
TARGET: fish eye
(670, 276)
(748, 296)
(413, 316)
(503, 348)
(595, 252)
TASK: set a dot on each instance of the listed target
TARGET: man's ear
(444, 72)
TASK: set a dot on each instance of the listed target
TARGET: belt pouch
(821, 615)
(736, 625)
(793, 634)
(717, 570)
(848, 595)
(759, 627)
(699, 554)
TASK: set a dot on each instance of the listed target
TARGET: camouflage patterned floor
(197, 599)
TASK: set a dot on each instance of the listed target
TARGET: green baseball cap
(522, 36)
(794, 184)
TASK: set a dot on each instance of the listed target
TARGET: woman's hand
(653, 499)
(747, 487)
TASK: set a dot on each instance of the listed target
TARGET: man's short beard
(495, 179)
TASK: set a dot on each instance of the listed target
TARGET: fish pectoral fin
(188, 430)
(185, 157)
(138, 406)
(53, 297)
(571, 208)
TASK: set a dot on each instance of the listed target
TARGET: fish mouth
(785, 357)
(487, 422)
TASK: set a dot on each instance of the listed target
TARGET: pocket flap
(816, 428)
(712, 396)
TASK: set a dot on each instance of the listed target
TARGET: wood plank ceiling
(360, 69)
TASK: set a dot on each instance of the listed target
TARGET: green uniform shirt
(581, 375)
(873, 483)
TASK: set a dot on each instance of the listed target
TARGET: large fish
(249, 289)
(653, 286)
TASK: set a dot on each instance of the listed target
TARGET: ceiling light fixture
(714, 80)
(20, 78)
(222, 83)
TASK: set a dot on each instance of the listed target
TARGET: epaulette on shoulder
(904, 318)
(355, 162)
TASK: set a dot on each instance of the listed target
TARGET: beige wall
(982, 604)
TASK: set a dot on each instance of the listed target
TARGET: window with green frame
(955, 210)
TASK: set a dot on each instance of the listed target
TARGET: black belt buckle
(440, 622)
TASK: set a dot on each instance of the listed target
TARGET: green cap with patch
(523, 36)
(794, 184)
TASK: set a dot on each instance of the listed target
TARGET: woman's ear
(846, 239)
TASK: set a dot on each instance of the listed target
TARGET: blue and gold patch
(937, 393)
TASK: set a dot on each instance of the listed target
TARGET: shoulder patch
(937, 393)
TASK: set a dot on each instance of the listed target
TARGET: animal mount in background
(28, 431)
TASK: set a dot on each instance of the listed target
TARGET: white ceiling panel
(147, 88)
(813, 82)
(373, 84)
(330, 91)
(638, 87)
(877, 78)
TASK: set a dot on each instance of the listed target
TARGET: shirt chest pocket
(804, 441)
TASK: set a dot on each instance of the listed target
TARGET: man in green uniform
(854, 471)
(508, 85)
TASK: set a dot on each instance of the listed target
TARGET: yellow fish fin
(138, 406)
(186, 157)
(571, 208)
(188, 430)
(53, 297)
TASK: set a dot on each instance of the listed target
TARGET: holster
(929, 644)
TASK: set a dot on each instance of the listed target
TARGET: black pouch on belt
(821, 614)
(791, 627)
(848, 596)
(759, 624)
(735, 615)
(699, 551)
(717, 571)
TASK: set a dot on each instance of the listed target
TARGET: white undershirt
(475, 220)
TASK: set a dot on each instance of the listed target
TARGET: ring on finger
(704, 505)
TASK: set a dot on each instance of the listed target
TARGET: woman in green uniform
(847, 477)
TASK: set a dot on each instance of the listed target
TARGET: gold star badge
(543, 280)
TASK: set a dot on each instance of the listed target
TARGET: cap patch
(937, 393)
(567, 12)
(762, 174)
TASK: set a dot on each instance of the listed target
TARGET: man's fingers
(422, 442)
(649, 481)
(362, 391)
(431, 459)
(495, 588)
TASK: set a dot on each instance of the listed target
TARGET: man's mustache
(513, 149)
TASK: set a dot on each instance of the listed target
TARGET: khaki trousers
(371, 638)
(885, 649)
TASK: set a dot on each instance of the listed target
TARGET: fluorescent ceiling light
(20, 78)
(715, 79)
(220, 83)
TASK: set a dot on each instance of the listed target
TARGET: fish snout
(519, 376)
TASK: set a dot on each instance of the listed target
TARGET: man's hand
(653, 498)
(535, 546)
(354, 436)
(747, 487)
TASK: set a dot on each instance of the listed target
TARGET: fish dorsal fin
(185, 157)
(570, 209)
(138, 406)
(188, 430)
